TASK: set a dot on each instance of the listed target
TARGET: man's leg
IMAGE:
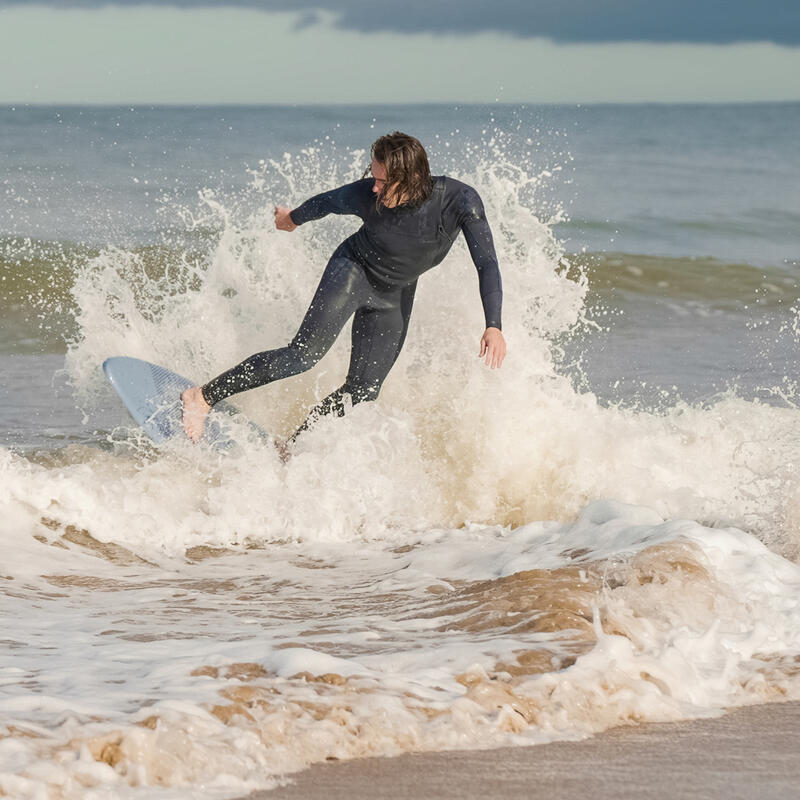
(378, 336)
(406, 306)
(342, 288)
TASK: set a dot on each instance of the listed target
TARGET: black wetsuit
(373, 275)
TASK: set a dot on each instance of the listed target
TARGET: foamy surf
(224, 673)
(479, 559)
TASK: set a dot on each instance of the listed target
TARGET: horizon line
(10, 104)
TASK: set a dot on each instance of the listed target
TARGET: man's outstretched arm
(348, 199)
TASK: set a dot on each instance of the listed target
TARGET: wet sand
(750, 752)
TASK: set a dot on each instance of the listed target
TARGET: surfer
(410, 223)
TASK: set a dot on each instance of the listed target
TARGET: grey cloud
(697, 21)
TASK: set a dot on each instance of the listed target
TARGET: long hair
(408, 174)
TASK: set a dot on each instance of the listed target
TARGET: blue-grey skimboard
(152, 395)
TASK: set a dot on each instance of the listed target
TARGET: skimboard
(152, 395)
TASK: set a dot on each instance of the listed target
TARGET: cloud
(140, 54)
(690, 21)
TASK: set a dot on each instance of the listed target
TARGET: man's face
(379, 173)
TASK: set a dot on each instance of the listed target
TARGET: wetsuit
(373, 275)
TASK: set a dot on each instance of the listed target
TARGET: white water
(393, 552)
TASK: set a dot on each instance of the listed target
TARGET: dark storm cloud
(697, 21)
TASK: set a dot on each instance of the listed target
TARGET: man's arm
(479, 240)
(347, 199)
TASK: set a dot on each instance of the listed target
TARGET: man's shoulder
(354, 197)
(464, 197)
(362, 186)
(454, 185)
(456, 188)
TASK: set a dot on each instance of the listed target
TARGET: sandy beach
(750, 752)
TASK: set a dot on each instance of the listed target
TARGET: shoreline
(749, 752)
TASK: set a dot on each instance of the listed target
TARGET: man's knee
(304, 354)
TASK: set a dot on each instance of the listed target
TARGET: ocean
(605, 531)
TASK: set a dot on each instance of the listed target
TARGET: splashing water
(503, 447)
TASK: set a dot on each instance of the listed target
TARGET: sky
(368, 51)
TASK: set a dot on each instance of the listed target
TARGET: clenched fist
(283, 220)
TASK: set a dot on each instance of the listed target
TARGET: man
(410, 223)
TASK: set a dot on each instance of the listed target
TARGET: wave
(629, 277)
(442, 419)
(240, 666)
(37, 298)
(38, 281)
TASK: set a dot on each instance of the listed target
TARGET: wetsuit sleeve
(481, 247)
(347, 199)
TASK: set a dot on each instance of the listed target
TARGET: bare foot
(195, 411)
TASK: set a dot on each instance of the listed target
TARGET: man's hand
(493, 346)
(283, 222)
